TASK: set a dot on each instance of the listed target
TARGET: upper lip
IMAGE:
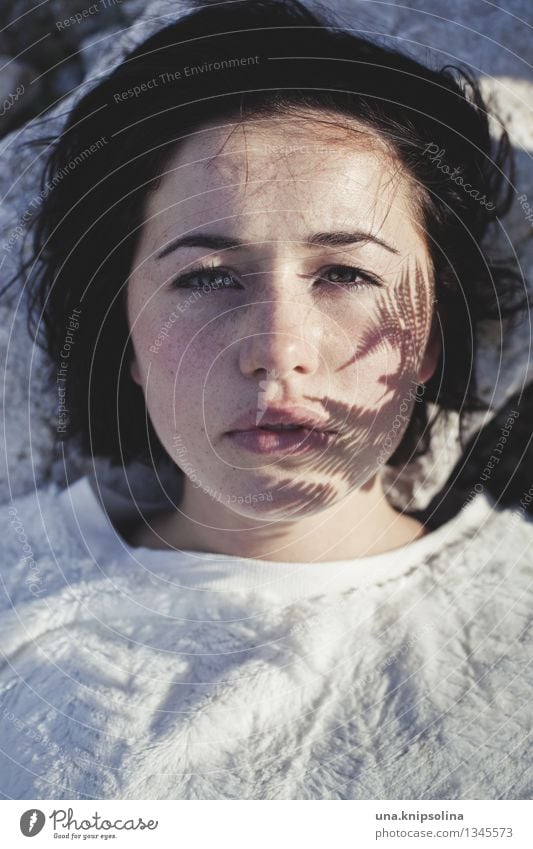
(282, 415)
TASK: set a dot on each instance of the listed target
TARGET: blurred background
(48, 48)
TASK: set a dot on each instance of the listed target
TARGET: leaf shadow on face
(367, 436)
(400, 322)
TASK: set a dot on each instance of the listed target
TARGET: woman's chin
(283, 501)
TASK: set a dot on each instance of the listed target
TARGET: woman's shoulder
(506, 533)
(41, 547)
(489, 524)
(485, 549)
(27, 519)
(483, 571)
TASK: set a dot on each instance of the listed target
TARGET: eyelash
(212, 271)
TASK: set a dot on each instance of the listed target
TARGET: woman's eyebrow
(218, 243)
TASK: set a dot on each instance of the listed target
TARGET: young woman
(262, 256)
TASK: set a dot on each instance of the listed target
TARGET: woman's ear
(134, 370)
(433, 346)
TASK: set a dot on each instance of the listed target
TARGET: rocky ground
(46, 50)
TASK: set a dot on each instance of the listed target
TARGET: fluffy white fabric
(135, 673)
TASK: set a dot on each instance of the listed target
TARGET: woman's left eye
(209, 278)
(347, 276)
(206, 279)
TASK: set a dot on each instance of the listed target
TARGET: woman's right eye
(205, 278)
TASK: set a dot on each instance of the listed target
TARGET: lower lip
(275, 441)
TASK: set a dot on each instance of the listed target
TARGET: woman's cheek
(375, 365)
(181, 368)
(165, 338)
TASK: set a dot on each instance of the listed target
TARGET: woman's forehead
(271, 150)
(270, 180)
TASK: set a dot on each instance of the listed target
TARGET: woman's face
(316, 301)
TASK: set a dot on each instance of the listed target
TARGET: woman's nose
(281, 336)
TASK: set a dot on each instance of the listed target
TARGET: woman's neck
(362, 524)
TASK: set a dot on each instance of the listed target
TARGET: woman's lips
(295, 441)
